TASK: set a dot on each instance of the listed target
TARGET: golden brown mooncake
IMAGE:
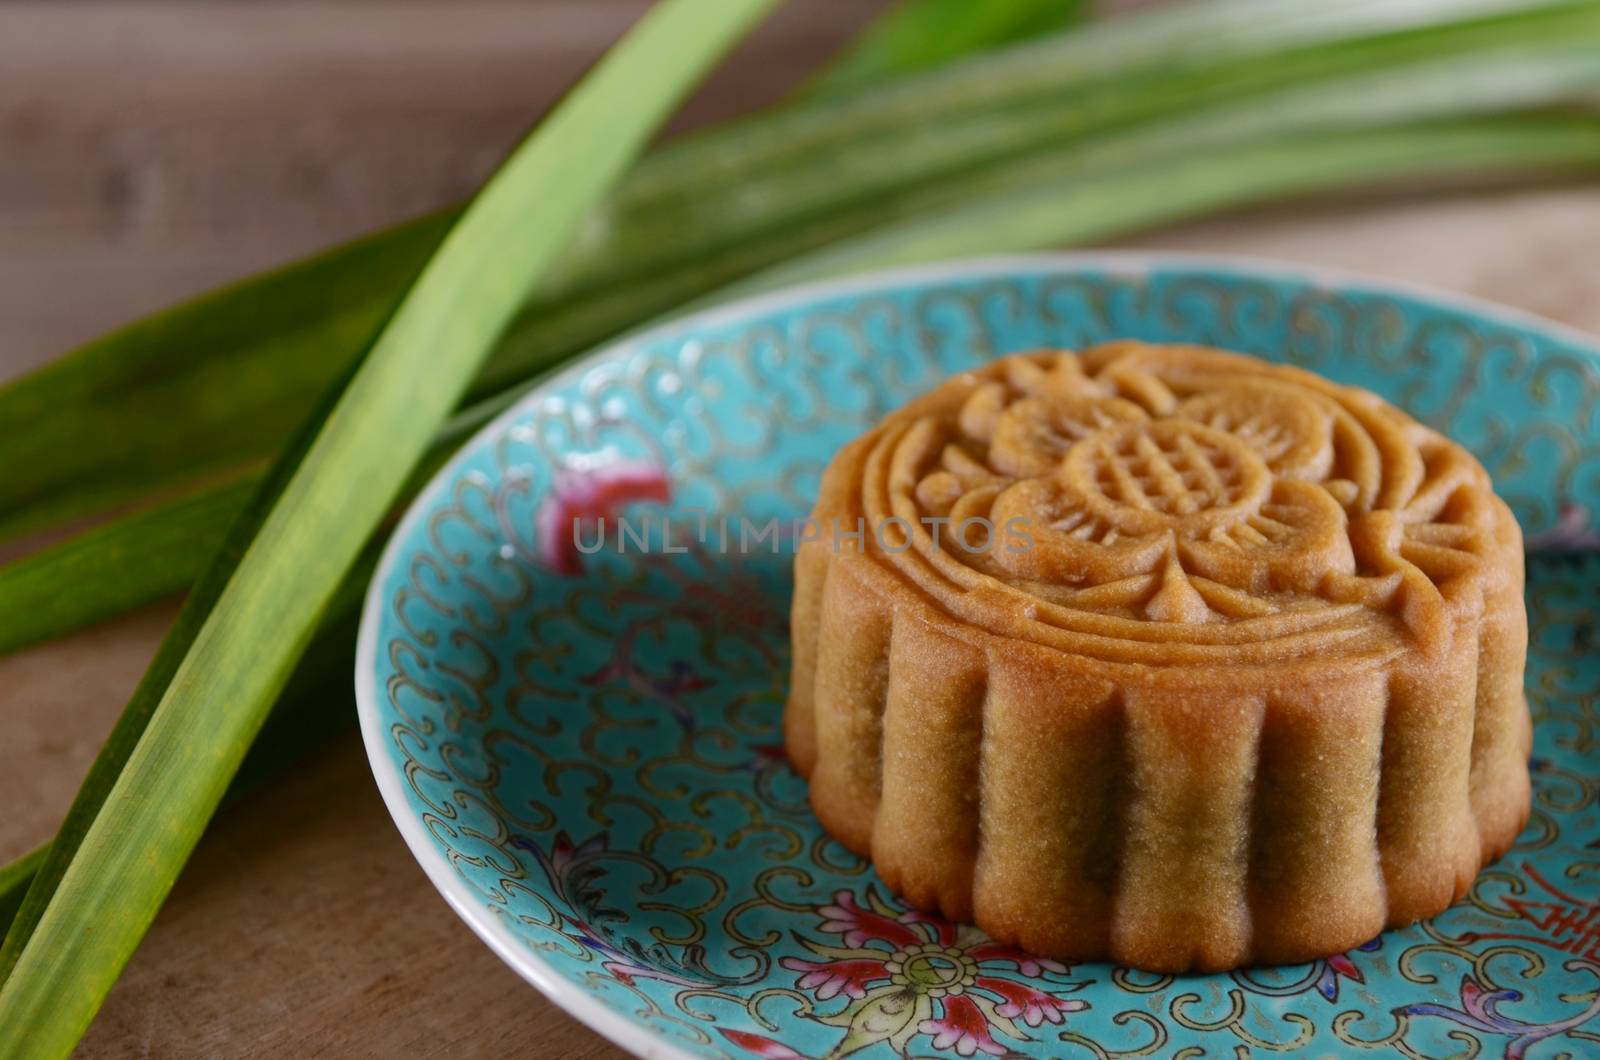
(1213, 661)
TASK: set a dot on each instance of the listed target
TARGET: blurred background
(151, 149)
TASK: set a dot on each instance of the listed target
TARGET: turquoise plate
(582, 750)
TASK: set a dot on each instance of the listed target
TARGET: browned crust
(1196, 816)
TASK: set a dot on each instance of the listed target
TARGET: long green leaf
(14, 880)
(710, 209)
(52, 590)
(313, 708)
(918, 35)
(131, 724)
(403, 390)
(1120, 201)
(923, 134)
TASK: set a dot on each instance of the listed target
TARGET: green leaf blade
(116, 567)
(362, 452)
(917, 35)
(15, 878)
(197, 389)
(1108, 204)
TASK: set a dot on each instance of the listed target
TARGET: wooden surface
(152, 149)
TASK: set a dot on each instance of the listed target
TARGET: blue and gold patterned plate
(582, 749)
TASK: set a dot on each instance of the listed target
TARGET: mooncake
(1162, 655)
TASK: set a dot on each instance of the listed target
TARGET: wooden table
(153, 149)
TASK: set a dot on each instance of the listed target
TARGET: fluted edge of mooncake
(1171, 819)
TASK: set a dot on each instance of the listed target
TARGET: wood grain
(152, 149)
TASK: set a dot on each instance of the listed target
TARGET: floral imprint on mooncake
(1191, 487)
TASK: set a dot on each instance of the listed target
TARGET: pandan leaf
(918, 35)
(319, 507)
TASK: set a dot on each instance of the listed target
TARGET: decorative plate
(580, 742)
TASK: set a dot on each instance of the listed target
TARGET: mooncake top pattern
(1182, 495)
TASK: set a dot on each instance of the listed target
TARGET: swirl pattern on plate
(1154, 624)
